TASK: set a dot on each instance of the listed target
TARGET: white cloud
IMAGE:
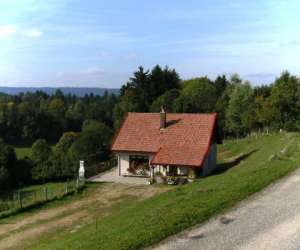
(32, 33)
(92, 71)
(7, 30)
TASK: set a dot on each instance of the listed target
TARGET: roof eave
(132, 151)
(179, 164)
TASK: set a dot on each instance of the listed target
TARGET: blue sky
(100, 43)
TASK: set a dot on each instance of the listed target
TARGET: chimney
(163, 118)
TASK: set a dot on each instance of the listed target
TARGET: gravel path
(113, 176)
(268, 220)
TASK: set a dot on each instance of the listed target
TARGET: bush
(92, 146)
(41, 156)
(7, 164)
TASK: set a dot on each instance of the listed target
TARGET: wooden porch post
(152, 173)
(119, 165)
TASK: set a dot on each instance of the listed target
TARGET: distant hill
(51, 90)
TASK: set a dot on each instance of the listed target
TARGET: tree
(125, 105)
(235, 80)
(137, 88)
(41, 157)
(263, 112)
(7, 164)
(197, 96)
(221, 85)
(166, 100)
(26, 119)
(160, 81)
(138, 94)
(22, 172)
(223, 90)
(239, 115)
(57, 108)
(62, 161)
(92, 145)
(133, 96)
(285, 97)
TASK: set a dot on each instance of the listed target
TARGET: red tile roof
(185, 140)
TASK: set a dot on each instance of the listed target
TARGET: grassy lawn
(245, 167)
(22, 152)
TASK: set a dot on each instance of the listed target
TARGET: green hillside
(245, 167)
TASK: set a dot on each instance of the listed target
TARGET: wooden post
(66, 190)
(46, 193)
(77, 184)
(119, 165)
(20, 199)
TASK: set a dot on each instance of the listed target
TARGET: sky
(97, 43)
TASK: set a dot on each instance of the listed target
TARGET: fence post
(20, 198)
(77, 184)
(46, 193)
(66, 190)
(8, 201)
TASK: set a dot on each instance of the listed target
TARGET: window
(139, 165)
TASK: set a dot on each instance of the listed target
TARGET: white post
(81, 170)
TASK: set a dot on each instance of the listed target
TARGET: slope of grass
(33, 196)
(245, 167)
(20, 214)
(22, 152)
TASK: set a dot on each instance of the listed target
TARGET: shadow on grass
(223, 167)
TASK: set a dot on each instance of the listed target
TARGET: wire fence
(14, 200)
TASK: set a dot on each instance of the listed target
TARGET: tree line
(242, 108)
(64, 129)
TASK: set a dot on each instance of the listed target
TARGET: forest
(63, 129)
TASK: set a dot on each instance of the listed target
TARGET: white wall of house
(211, 161)
(160, 169)
(208, 165)
(123, 163)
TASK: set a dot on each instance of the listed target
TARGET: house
(149, 144)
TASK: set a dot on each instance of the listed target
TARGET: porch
(113, 176)
(172, 174)
(138, 165)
